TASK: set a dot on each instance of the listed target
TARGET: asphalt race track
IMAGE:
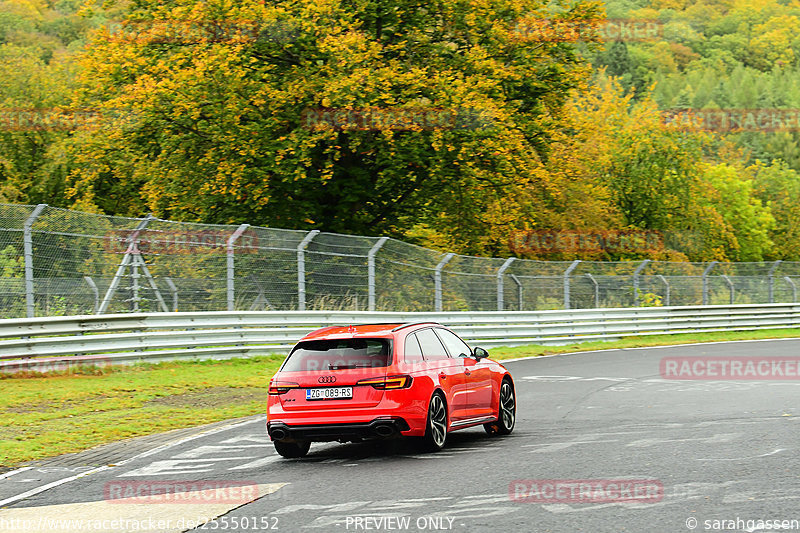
(721, 450)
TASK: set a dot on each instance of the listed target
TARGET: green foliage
(648, 299)
(778, 186)
(38, 41)
(749, 221)
(12, 265)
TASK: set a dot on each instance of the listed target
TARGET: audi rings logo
(327, 379)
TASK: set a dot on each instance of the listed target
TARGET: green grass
(45, 416)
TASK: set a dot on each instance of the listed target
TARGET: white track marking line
(48, 486)
(15, 472)
(42, 488)
(779, 450)
(258, 463)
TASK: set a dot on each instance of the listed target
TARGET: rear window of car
(338, 354)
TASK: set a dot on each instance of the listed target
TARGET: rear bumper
(378, 428)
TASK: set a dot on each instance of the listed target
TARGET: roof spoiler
(409, 324)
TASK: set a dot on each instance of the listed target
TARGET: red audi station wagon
(381, 381)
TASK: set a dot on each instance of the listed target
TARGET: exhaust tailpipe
(384, 430)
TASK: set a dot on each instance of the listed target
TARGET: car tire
(292, 450)
(436, 426)
(507, 411)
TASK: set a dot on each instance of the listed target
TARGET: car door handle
(467, 372)
(442, 375)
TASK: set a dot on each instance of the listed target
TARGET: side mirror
(479, 353)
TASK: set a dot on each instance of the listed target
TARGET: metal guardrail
(49, 343)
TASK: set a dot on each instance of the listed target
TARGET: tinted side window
(432, 348)
(413, 353)
(454, 345)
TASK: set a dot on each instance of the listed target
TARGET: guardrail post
(437, 281)
(92, 285)
(794, 288)
(596, 291)
(174, 290)
(519, 289)
(371, 272)
(567, 272)
(771, 280)
(705, 280)
(301, 269)
(230, 267)
(730, 287)
(666, 289)
(500, 287)
(27, 252)
(636, 282)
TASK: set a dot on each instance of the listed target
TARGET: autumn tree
(778, 187)
(750, 221)
(229, 129)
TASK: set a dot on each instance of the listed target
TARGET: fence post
(371, 272)
(500, 273)
(666, 285)
(437, 281)
(92, 285)
(596, 291)
(771, 280)
(174, 290)
(705, 280)
(636, 282)
(301, 269)
(229, 267)
(567, 272)
(519, 289)
(731, 288)
(27, 247)
(794, 288)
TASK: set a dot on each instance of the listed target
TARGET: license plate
(330, 393)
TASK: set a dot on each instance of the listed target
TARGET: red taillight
(281, 387)
(388, 383)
